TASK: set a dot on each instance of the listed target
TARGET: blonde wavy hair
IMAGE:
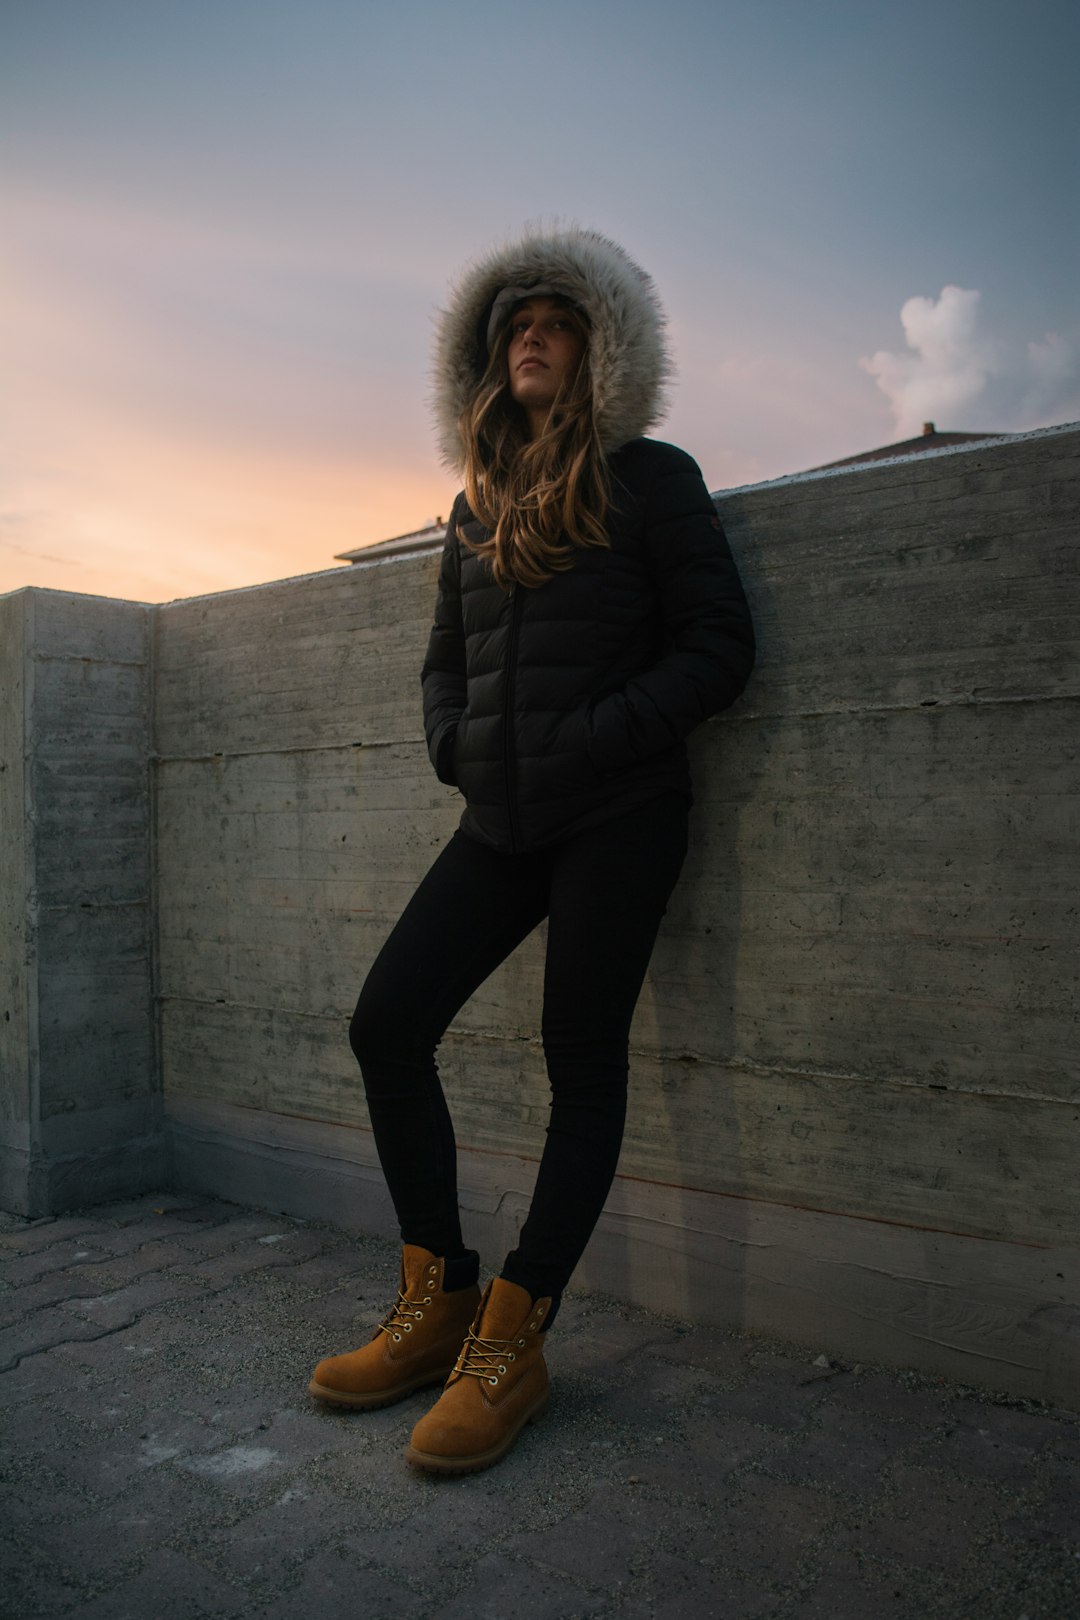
(540, 499)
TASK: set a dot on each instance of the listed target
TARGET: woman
(588, 617)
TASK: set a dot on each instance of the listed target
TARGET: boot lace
(486, 1358)
(400, 1319)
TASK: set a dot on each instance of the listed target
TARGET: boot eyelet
(418, 1316)
(426, 1301)
(511, 1355)
(502, 1369)
(397, 1338)
(406, 1327)
(493, 1380)
(521, 1342)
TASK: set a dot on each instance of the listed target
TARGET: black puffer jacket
(556, 708)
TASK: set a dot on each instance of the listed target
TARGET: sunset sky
(228, 224)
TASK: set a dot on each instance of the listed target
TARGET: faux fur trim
(627, 353)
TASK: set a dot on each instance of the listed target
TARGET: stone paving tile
(762, 1525)
(240, 1468)
(111, 1462)
(41, 1331)
(700, 1470)
(241, 1228)
(500, 1587)
(29, 1268)
(39, 1235)
(605, 1339)
(24, 1505)
(779, 1401)
(169, 1587)
(119, 1307)
(212, 1309)
(597, 1545)
(720, 1437)
(377, 1479)
(56, 1288)
(233, 1412)
(994, 1445)
(344, 1320)
(332, 1588)
(449, 1524)
(933, 1521)
(222, 1269)
(338, 1268)
(675, 1589)
(152, 1335)
(120, 1240)
(301, 1244)
(99, 1407)
(879, 1396)
(97, 1546)
(1059, 1504)
(723, 1357)
(270, 1542)
(1048, 1589)
(849, 1593)
(39, 1377)
(842, 1451)
(159, 1254)
(652, 1393)
(33, 1588)
(206, 1212)
(291, 1440)
(224, 1360)
(41, 1427)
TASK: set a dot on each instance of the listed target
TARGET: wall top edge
(266, 585)
(32, 591)
(999, 441)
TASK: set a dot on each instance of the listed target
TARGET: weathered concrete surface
(78, 1072)
(854, 1066)
(162, 1456)
(855, 1058)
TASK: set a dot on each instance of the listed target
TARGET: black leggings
(604, 893)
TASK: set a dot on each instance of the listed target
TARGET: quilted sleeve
(442, 677)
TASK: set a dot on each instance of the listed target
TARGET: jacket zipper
(508, 720)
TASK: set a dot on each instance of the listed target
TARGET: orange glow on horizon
(151, 522)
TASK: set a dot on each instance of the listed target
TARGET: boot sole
(434, 1464)
(347, 1402)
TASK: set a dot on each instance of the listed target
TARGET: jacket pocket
(606, 739)
(573, 744)
(445, 755)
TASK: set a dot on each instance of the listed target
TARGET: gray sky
(229, 224)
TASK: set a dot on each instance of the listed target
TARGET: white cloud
(963, 379)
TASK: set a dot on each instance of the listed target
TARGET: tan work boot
(498, 1385)
(413, 1346)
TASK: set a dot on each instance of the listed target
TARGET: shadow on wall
(683, 1135)
(677, 1230)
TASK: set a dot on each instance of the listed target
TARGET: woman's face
(546, 346)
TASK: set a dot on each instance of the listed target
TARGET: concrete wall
(80, 1115)
(854, 1098)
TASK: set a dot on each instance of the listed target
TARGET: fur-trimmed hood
(627, 353)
